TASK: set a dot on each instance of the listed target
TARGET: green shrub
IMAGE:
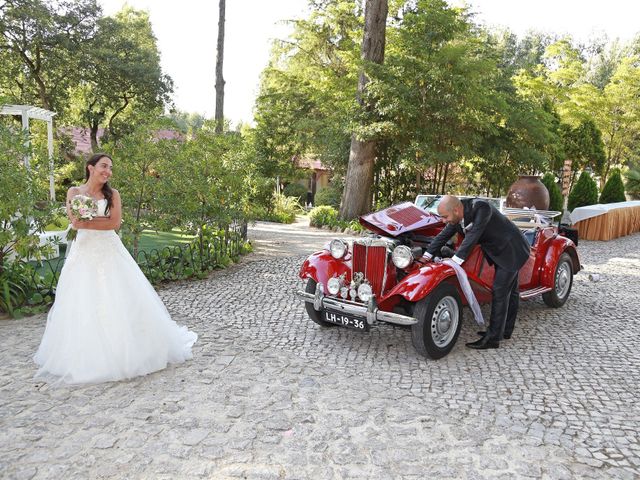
(584, 192)
(330, 195)
(285, 208)
(633, 182)
(58, 222)
(23, 290)
(323, 215)
(297, 191)
(613, 190)
(555, 194)
(326, 215)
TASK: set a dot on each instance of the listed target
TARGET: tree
(555, 194)
(359, 179)
(583, 146)
(187, 123)
(208, 183)
(307, 92)
(616, 111)
(123, 77)
(584, 192)
(48, 43)
(633, 181)
(138, 158)
(219, 115)
(613, 190)
(21, 192)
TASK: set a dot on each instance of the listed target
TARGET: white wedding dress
(107, 322)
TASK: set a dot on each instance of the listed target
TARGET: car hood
(399, 219)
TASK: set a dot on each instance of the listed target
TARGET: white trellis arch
(27, 112)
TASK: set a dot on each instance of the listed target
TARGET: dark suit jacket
(501, 241)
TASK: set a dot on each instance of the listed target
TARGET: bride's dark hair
(106, 188)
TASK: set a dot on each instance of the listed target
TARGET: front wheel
(439, 318)
(562, 282)
(312, 312)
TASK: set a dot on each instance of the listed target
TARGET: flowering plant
(84, 207)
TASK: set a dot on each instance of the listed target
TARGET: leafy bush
(323, 215)
(613, 190)
(284, 209)
(23, 290)
(555, 194)
(328, 216)
(633, 182)
(59, 221)
(24, 210)
(584, 192)
(330, 195)
(211, 249)
(297, 191)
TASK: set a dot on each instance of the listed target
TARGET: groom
(504, 246)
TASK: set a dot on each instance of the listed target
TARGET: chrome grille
(370, 258)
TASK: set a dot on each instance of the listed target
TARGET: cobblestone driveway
(271, 395)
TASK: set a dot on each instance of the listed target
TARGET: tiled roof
(310, 163)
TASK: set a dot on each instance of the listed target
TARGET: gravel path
(270, 395)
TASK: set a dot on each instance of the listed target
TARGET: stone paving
(271, 395)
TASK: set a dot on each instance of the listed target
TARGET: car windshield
(430, 202)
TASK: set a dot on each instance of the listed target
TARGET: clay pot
(528, 191)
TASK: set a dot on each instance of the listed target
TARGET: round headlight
(333, 285)
(338, 248)
(365, 292)
(402, 256)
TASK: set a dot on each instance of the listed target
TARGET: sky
(187, 34)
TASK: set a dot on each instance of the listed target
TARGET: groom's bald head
(450, 209)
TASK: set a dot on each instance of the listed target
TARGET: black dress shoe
(504, 337)
(484, 343)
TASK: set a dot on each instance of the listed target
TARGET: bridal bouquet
(83, 208)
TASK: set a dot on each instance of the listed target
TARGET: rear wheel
(439, 321)
(562, 282)
(312, 312)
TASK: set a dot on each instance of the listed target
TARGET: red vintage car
(380, 277)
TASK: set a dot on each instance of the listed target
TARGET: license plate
(344, 320)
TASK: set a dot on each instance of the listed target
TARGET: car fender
(420, 283)
(321, 266)
(557, 247)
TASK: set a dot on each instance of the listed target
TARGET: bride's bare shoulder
(73, 191)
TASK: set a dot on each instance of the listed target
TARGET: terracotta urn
(528, 191)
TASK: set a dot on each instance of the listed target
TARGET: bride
(107, 322)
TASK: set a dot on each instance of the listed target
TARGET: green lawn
(150, 239)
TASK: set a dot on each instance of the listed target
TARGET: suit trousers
(504, 304)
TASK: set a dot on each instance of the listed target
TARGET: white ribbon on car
(466, 289)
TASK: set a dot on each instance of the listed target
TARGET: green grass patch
(152, 240)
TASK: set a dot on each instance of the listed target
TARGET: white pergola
(27, 112)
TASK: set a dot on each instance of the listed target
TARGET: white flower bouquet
(83, 208)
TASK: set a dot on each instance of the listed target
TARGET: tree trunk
(444, 179)
(93, 135)
(219, 116)
(356, 199)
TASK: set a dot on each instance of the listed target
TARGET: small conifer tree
(584, 192)
(555, 194)
(613, 190)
